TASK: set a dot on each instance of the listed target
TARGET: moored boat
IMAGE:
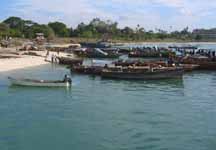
(153, 52)
(69, 61)
(189, 67)
(143, 73)
(90, 70)
(204, 63)
(128, 63)
(41, 83)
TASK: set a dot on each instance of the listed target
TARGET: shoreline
(13, 64)
(20, 61)
(78, 40)
(142, 43)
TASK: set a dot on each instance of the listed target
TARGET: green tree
(46, 30)
(4, 30)
(127, 32)
(198, 37)
(60, 29)
(15, 23)
(15, 33)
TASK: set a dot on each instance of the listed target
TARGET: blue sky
(151, 14)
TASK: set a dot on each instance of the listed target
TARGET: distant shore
(20, 41)
(78, 40)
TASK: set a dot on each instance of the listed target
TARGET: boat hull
(189, 67)
(19, 82)
(144, 76)
(207, 66)
(69, 61)
(90, 70)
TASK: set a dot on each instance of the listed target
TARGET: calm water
(97, 114)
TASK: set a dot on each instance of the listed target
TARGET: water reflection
(30, 89)
(175, 83)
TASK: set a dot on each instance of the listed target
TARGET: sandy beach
(20, 61)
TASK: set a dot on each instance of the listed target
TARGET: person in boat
(106, 66)
(67, 79)
(151, 68)
(213, 56)
(170, 61)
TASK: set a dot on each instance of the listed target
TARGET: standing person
(213, 53)
(47, 55)
(52, 58)
(58, 51)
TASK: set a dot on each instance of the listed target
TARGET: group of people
(209, 53)
(54, 58)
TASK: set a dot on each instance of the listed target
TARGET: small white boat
(41, 83)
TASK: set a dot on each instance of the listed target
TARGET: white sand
(20, 63)
(24, 61)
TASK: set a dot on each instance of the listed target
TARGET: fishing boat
(143, 73)
(128, 63)
(69, 61)
(189, 67)
(41, 83)
(100, 53)
(204, 63)
(153, 52)
(90, 70)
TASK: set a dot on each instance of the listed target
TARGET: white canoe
(39, 83)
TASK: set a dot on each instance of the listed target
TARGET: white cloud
(126, 12)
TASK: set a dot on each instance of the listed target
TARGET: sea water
(99, 114)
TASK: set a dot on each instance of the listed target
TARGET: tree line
(97, 28)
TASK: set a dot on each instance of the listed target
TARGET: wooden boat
(69, 61)
(96, 44)
(90, 70)
(128, 63)
(41, 83)
(97, 53)
(100, 53)
(189, 67)
(207, 65)
(186, 67)
(152, 54)
(143, 73)
(124, 50)
(204, 63)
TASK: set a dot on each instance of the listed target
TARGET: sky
(151, 14)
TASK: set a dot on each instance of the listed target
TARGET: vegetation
(60, 29)
(97, 29)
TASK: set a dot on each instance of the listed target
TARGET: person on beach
(52, 58)
(47, 54)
